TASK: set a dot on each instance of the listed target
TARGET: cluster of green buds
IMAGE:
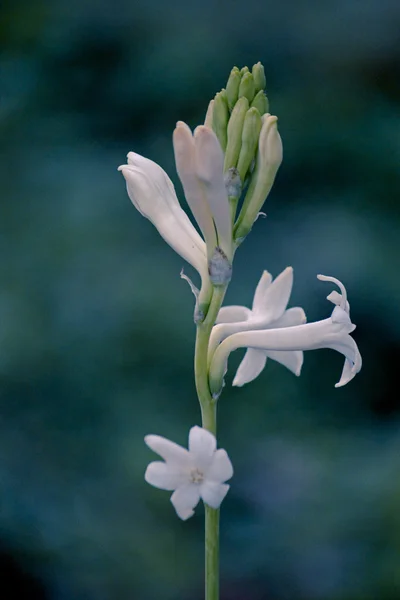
(251, 143)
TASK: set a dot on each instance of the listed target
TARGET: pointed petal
(213, 493)
(232, 314)
(273, 302)
(185, 499)
(291, 359)
(263, 285)
(202, 446)
(221, 468)
(185, 160)
(210, 171)
(163, 476)
(336, 298)
(250, 367)
(292, 316)
(169, 451)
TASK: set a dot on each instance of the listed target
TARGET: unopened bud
(219, 268)
(260, 102)
(232, 87)
(269, 158)
(259, 77)
(235, 128)
(244, 70)
(250, 135)
(247, 87)
(220, 118)
(208, 121)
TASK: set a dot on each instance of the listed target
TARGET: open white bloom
(329, 333)
(268, 312)
(199, 472)
(153, 194)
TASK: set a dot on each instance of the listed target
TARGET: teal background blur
(96, 331)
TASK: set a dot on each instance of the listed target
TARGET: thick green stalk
(209, 421)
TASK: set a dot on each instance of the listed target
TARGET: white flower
(329, 333)
(268, 312)
(200, 165)
(153, 194)
(199, 472)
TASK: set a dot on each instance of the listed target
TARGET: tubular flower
(199, 472)
(268, 312)
(329, 333)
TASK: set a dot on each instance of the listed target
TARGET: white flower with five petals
(199, 472)
(329, 333)
(268, 312)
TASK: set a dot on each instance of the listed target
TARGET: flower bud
(260, 102)
(269, 158)
(247, 87)
(208, 121)
(235, 128)
(220, 118)
(244, 70)
(259, 77)
(250, 135)
(232, 87)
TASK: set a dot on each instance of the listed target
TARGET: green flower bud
(259, 77)
(260, 102)
(250, 135)
(208, 121)
(232, 87)
(244, 70)
(235, 128)
(247, 87)
(220, 118)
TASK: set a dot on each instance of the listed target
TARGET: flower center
(196, 476)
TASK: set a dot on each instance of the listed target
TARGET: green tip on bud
(251, 131)
(261, 103)
(220, 118)
(208, 121)
(247, 87)
(259, 77)
(235, 128)
(232, 87)
(244, 70)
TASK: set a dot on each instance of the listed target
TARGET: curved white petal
(336, 298)
(221, 468)
(185, 160)
(232, 314)
(213, 493)
(210, 171)
(185, 499)
(291, 316)
(164, 476)
(273, 302)
(152, 193)
(291, 359)
(202, 446)
(262, 286)
(169, 451)
(251, 366)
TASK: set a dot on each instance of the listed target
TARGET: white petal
(273, 302)
(291, 359)
(349, 371)
(263, 285)
(343, 296)
(185, 499)
(336, 298)
(210, 171)
(232, 314)
(251, 366)
(221, 467)
(185, 160)
(292, 316)
(168, 450)
(202, 446)
(163, 476)
(213, 493)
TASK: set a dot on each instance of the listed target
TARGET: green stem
(209, 420)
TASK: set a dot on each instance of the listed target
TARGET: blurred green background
(96, 331)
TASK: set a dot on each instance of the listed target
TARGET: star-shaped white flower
(329, 333)
(268, 312)
(199, 472)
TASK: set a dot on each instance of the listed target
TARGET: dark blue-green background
(96, 332)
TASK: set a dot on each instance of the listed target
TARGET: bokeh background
(96, 331)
